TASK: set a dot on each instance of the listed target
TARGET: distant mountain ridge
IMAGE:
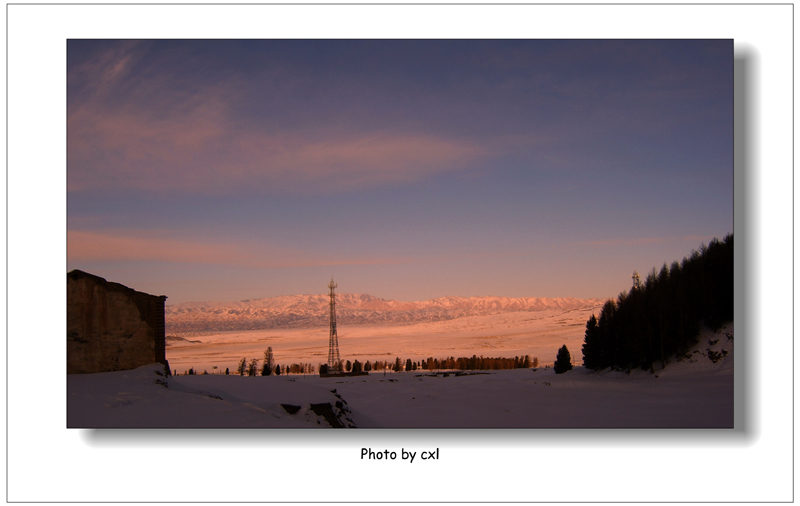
(296, 311)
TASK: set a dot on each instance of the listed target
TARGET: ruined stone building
(111, 327)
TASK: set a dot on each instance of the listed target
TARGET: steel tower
(637, 281)
(333, 350)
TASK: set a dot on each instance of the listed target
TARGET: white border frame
(47, 462)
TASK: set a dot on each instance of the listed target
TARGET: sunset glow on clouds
(532, 168)
(193, 153)
(147, 246)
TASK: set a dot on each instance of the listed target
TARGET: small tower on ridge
(637, 281)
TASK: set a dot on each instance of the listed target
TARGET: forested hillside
(661, 317)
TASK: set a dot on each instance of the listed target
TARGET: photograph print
(289, 233)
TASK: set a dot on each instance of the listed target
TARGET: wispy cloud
(195, 153)
(157, 246)
(351, 160)
(128, 129)
(93, 246)
(99, 75)
(644, 241)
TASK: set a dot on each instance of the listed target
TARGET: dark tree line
(270, 367)
(451, 363)
(476, 363)
(661, 317)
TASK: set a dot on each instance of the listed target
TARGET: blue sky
(227, 170)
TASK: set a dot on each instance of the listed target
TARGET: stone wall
(111, 327)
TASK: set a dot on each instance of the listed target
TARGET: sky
(225, 170)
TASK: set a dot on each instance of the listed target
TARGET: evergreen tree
(563, 361)
(367, 366)
(607, 331)
(242, 367)
(252, 370)
(227, 371)
(356, 366)
(591, 344)
(269, 361)
(348, 366)
(398, 366)
(277, 370)
(409, 367)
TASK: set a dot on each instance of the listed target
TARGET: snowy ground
(695, 392)
(534, 333)
(139, 398)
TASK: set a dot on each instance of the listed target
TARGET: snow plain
(508, 334)
(696, 392)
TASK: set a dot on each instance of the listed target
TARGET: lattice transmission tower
(637, 281)
(333, 347)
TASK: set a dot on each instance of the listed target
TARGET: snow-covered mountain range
(294, 311)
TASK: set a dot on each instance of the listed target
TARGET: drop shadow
(746, 261)
(745, 431)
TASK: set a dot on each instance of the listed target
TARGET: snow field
(694, 393)
(534, 333)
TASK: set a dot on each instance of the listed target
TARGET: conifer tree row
(661, 318)
(452, 363)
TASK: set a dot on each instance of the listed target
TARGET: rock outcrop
(111, 327)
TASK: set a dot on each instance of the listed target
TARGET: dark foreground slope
(694, 392)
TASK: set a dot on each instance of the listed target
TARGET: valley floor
(535, 333)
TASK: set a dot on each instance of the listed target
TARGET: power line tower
(637, 281)
(333, 347)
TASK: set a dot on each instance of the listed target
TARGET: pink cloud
(134, 149)
(351, 160)
(87, 246)
(92, 246)
(163, 138)
(645, 241)
(201, 151)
